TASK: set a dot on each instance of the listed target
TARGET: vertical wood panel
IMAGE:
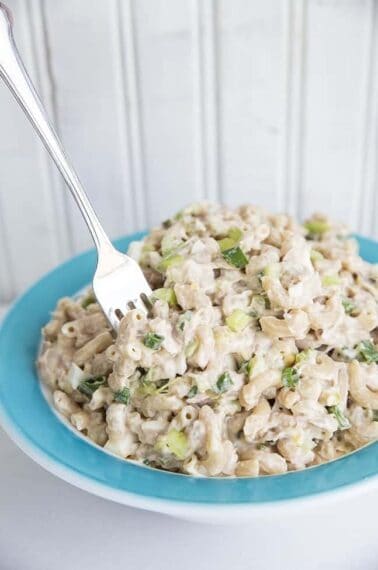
(84, 63)
(291, 159)
(367, 184)
(205, 98)
(335, 52)
(129, 103)
(251, 99)
(163, 32)
(30, 242)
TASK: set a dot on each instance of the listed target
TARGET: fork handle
(17, 79)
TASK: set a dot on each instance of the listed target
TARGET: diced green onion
(317, 227)
(122, 396)
(236, 234)
(174, 442)
(192, 392)
(224, 383)
(367, 351)
(191, 348)
(89, 386)
(290, 377)
(165, 294)
(183, 320)
(153, 340)
(169, 261)
(226, 243)
(88, 301)
(342, 420)
(162, 386)
(330, 280)
(303, 356)
(349, 306)
(238, 320)
(236, 257)
(315, 255)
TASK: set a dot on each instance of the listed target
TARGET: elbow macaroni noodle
(259, 355)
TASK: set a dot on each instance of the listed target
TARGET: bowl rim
(40, 434)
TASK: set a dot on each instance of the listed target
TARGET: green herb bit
(165, 294)
(153, 340)
(349, 306)
(290, 377)
(317, 227)
(375, 415)
(236, 257)
(193, 392)
(122, 396)
(367, 351)
(183, 319)
(89, 386)
(224, 383)
(342, 420)
(88, 301)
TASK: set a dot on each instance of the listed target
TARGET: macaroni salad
(259, 354)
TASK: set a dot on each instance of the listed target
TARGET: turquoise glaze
(24, 411)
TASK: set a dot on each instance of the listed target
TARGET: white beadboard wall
(161, 102)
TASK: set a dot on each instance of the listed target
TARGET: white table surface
(46, 524)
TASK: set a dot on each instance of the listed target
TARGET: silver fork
(118, 283)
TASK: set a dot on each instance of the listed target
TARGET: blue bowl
(29, 420)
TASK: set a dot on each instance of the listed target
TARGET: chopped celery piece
(191, 348)
(153, 340)
(122, 396)
(316, 255)
(238, 320)
(89, 386)
(317, 227)
(236, 257)
(303, 356)
(236, 234)
(290, 377)
(169, 261)
(165, 294)
(224, 383)
(367, 351)
(342, 420)
(88, 301)
(174, 442)
(330, 280)
(192, 392)
(258, 305)
(349, 306)
(226, 243)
